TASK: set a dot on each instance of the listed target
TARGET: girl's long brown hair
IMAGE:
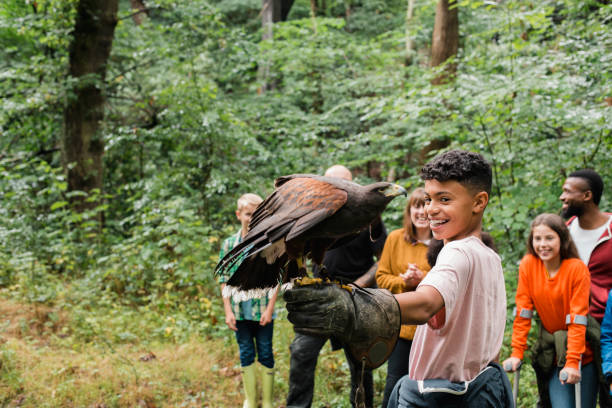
(555, 223)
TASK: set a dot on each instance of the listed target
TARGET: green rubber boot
(267, 386)
(250, 389)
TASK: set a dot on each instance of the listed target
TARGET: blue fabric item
(563, 396)
(255, 339)
(246, 311)
(491, 388)
(606, 341)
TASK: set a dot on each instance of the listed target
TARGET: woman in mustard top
(401, 267)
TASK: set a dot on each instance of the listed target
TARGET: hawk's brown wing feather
(294, 199)
(324, 201)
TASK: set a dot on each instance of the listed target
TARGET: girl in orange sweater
(402, 265)
(555, 282)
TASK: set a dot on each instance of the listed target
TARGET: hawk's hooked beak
(394, 190)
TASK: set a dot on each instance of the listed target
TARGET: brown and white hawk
(304, 216)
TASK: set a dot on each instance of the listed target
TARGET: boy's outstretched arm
(420, 306)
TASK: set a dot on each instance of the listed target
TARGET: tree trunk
(409, 42)
(139, 11)
(278, 10)
(313, 15)
(267, 21)
(285, 8)
(267, 18)
(272, 11)
(445, 42)
(82, 141)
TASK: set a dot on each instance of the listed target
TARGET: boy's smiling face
(454, 212)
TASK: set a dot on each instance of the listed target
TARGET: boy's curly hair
(467, 168)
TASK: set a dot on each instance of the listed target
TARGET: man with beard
(590, 231)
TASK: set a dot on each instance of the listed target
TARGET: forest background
(129, 128)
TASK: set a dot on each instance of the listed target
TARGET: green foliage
(34, 40)
(11, 380)
(186, 132)
(169, 249)
(373, 17)
(237, 12)
(40, 234)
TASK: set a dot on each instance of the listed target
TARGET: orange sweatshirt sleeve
(524, 312)
(386, 278)
(579, 308)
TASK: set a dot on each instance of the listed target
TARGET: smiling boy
(460, 305)
(462, 299)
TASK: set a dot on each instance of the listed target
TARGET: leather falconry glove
(366, 321)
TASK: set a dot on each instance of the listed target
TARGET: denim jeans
(490, 389)
(562, 396)
(397, 367)
(305, 351)
(252, 337)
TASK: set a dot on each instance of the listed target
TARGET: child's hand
(412, 277)
(230, 320)
(266, 317)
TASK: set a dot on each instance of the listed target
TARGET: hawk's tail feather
(256, 273)
(251, 247)
(286, 286)
(240, 252)
(241, 295)
(231, 259)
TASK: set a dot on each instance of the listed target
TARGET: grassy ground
(42, 365)
(46, 362)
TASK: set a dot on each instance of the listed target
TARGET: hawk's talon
(306, 280)
(348, 288)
